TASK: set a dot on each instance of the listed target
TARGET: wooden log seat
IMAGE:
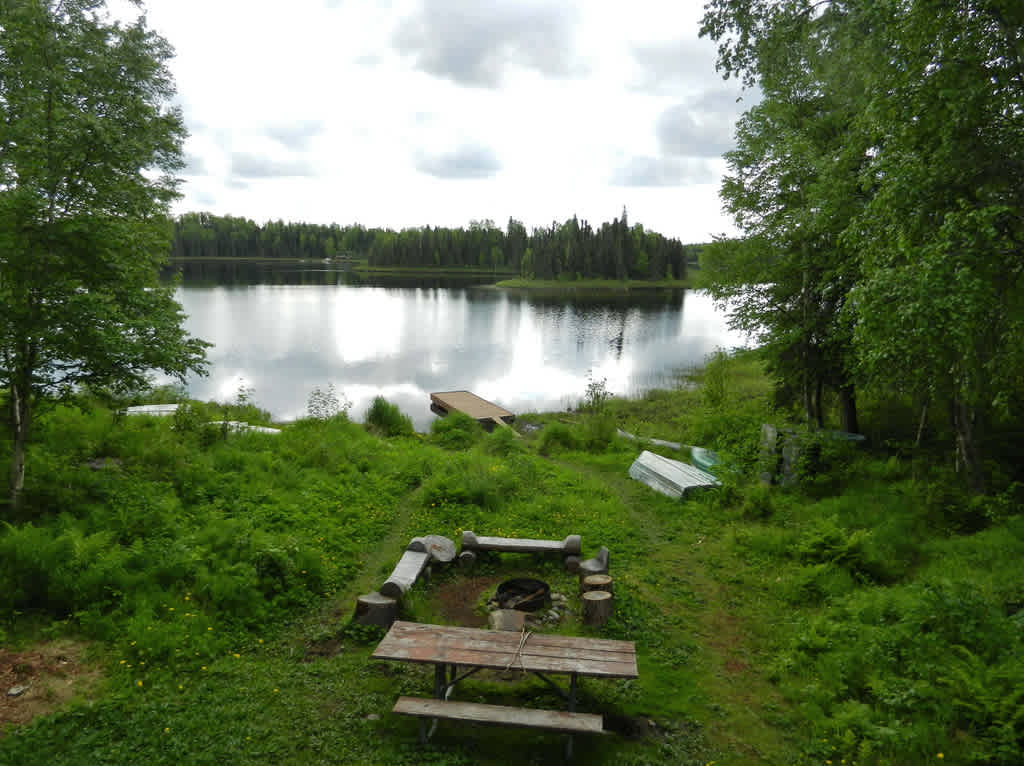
(570, 546)
(597, 608)
(375, 609)
(406, 572)
(596, 565)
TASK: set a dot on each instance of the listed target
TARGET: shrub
(596, 395)
(387, 419)
(503, 442)
(599, 432)
(556, 437)
(457, 431)
(324, 404)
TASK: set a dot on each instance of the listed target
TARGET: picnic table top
(541, 653)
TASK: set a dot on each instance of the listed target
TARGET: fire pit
(523, 593)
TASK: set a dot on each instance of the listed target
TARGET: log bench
(406, 572)
(471, 544)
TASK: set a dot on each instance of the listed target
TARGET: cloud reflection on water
(524, 351)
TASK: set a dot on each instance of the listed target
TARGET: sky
(403, 113)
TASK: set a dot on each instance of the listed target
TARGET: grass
(848, 616)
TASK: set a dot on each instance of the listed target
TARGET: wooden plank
(471, 404)
(475, 712)
(670, 477)
(593, 657)
(406, 572)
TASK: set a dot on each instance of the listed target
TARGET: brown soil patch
(54, 673)
(326, 649)
(457, 599)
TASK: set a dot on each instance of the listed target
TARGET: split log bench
(471, 544)
(381, 607)
(406, 572)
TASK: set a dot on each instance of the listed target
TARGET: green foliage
(859, 623)
(325, 404)
(556, 437)
(882, 223)
(595, 395)
(387, 419)
(88, 147)
(456, 431)
(714, 380)
(503, 442)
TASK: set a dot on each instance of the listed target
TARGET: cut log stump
(572, 564)
(467, 559)
(597, 608)
(375, 609)
(596, 582)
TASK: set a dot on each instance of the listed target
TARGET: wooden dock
(485, 412)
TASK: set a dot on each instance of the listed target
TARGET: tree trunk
(808, 399)
(848, 409)
(819, 417)
(21, 418)
(965, 420)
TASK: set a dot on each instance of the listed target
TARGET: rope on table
(524, 636)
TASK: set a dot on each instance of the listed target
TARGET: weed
(385, 418)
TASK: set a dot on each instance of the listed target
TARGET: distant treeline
(572, 249)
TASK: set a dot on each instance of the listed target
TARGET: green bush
(457, 431)
(556, 437)
(598, 432)
(503, 442)
(385, 418)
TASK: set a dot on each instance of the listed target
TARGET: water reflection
(403, 340)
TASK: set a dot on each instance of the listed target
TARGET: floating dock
(485, 412)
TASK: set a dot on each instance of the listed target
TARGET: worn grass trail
(718, 644)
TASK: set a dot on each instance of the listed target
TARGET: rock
(506, 619)
(373, 717)
(557, 598)
(17, 691)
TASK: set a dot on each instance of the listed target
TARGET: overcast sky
(414, 112)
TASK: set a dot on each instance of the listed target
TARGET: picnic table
(457, 653)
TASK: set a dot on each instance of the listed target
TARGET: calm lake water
(283, 329)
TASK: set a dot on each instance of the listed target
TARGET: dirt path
(40, 680)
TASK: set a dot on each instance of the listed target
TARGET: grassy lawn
(861, 614)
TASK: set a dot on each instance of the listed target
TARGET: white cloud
(410, 112)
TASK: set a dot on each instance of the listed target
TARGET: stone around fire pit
(507, 619)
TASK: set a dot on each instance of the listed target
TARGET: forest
(879, 189)
(570, 250)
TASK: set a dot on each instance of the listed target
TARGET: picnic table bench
(450, 649)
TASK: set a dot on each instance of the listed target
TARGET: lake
(284, 329)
